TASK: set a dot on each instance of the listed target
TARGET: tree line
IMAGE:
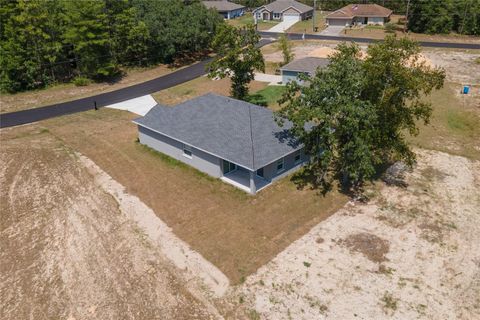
(50, 41)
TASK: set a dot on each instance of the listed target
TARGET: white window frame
(187, 148)
(277, 15)
(282, 161)
(299, 154)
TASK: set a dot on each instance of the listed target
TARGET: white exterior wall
(200, 160)
(378, 21)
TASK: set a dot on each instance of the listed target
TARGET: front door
(265, 16)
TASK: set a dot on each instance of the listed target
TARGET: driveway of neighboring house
(272, 79)
(332, 31)
(282, 26)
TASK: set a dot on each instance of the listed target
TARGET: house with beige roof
(359, 14)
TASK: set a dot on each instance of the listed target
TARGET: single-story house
(307, 65)
(233, 140)
(227, 9)
(283, 10)
(359, 14)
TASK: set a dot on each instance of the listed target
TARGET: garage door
(291, 17)
(337, 22)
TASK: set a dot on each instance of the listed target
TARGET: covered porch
(246, 180)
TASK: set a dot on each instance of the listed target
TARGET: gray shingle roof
(221, 126)
(308, 64)
(281, 5)
(222, 5)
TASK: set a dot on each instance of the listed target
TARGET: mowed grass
(455, 123)
(247, 19)
(236, 232)
(268, 96)
(198, 87)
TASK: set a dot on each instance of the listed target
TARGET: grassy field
(248, 19)
(198, 87)
(268, 96)
(454, 126)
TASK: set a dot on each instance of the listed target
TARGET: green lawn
(454, 126)
(248, 19)
(307, 25)
(268, 96)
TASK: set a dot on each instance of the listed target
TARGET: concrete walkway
(282, 26)
(272, 79)
(140, 105)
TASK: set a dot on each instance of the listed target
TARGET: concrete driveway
(282, 26)
(272, 79)
(140, 105)
(332, 31)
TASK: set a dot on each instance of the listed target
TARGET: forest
(45, 42)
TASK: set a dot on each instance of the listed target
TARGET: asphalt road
(164, 82)
(298, 36)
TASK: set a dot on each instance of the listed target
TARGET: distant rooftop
(222, 5)
(308, 64)
(282, 5)
(234, 130)
(361, 10)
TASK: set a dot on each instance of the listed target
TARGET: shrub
(81, 81)
(390, 27)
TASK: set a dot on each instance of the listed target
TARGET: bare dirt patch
(428, 277)
(69, 251)
(371, 246)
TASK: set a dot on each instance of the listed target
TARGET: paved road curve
(165, 82)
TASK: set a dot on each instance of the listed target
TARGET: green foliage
(461, 16)
(390, 27)
(237, 58)
(353, 115)
(81, 81)
(285, 46)
(42, 42)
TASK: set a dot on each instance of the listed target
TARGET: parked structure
(227, 9)
(308, 65)
(233, 140)
(283, 10)
(359, 14)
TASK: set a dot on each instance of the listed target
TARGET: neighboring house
(283, 10)
(227, 9)
(306, 65)
(359, 14)
(233, 140)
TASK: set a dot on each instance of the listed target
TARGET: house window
(259, 15)
(260, 172)
(187, 151)
(280, 165)
(298, 157)
(276, 16)
(228, 167)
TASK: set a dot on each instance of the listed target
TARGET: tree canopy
(354, 114)
(238, 56)
(43, 42)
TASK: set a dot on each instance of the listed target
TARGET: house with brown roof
(283, 10)
(359, 14)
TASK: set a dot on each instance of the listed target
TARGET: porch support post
(253, 188)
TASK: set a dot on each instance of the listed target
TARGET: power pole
(406, 17)
(313, 18)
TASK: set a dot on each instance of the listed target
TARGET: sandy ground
(75, 246)
(412, 253)
(459, 64)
